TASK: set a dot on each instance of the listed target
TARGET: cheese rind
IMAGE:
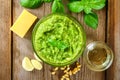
(23, 23)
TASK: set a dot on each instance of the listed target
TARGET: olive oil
(97, 56)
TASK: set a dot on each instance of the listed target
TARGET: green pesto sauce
(58, 40)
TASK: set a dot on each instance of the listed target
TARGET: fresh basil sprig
(90, 18)
(86, 5)
(76, 6)
(57, 6)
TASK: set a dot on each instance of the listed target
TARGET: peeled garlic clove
(26, 64)
(37, 65)
(36, 57)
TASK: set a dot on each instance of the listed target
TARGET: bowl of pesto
(58, 39)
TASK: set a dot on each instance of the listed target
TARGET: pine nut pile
(67, 71)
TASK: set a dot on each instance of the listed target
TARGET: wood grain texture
(5, 37)
(22, 47)
(113, 38)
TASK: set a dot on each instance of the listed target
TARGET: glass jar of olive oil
(98, 56)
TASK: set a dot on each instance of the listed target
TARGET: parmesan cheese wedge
(23, 23)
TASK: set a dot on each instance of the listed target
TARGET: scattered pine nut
(53, 73)
(62, 79)
(77, 63)
(75, 69)
(63, 76)
(67, 78)
(79, 66)
(56, 69)
(68, 68)
(63, 68)
(78, 69)
(65, 71)
(68, 71)
(66, 75)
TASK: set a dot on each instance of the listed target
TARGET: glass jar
(98, 56)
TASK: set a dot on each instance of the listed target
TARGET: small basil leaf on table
(94, 4)
(91, 20)
(73, 0)
(87, 10)
(31, 3)
(76, 6)
(97, 4)
(48, 1)
(57, 6)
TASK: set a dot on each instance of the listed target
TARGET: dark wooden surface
(5, 40)
(13, 48)
(113, 38)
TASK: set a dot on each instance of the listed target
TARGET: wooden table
(13, 48)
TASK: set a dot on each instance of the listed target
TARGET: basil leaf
(85, 0)
(57, 6)
(87, 10)
(94, 4)
(91, 20)
(76, 6)
(73, 0)
(97, 4)
(48, 1)
(32, 4)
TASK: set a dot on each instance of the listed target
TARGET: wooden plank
(113, 38)
(22, 47)
(47, 68)
(5, 37)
